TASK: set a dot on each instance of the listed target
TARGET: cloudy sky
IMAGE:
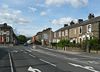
(31, 16)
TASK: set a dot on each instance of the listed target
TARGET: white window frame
(66, 32)
(89, 30)
(63, 33)
(75, 31)
(59, 33)
(7, 39)
(7, 33)
(55, 35)
(0, 32)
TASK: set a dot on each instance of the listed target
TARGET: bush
(63, 43)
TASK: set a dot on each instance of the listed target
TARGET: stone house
(7, 36)
(79, 31)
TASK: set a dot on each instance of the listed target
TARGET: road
(41, 59)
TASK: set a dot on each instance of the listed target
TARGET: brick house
(38, 36)
(7, 36)
(47, 36)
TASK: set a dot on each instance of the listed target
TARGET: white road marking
(84, 67)
(32, 55)
(29, 50)
(15, 51)
(33, 69)
(93, 62)
(25, 52)
(12, 70)
(48, 62)
(46, 48)
(21, 50)
(34, 47)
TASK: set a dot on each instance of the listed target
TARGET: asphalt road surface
(40, 59)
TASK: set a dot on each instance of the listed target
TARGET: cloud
(16, 2)
(64, 20)
(33, 9)
(12, 16)
(27, 31)
(43, 13)
(22, 21)
(40, 5)
(74, 3)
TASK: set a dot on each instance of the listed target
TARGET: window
(75, 31)
(7, 39)
(45, 36)
(0, 32)
(62, 33)
(54, 34)
(7, 32)
(80, 40)
(80, 29)
(66, 32)
(89, 28)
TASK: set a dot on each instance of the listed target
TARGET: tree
(22, 39)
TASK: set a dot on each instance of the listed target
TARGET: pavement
(80, 52)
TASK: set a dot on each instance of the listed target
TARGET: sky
(27, 17)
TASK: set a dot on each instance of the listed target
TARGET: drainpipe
(99, 34)
(99, 38)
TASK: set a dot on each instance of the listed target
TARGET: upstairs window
(80, 29)
(75, 31)
(66, 32)
(54, 35)
(89, 28)
(62, 33)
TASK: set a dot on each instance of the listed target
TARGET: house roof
(90, 21)
(3, 25)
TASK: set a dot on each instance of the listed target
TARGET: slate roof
(90, 21)
(2, 25)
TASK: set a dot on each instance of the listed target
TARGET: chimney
(65, 25)
(91, 16)
(72, 23)
(80, 21)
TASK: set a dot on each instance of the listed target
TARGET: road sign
(33, 69)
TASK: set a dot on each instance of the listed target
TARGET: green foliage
(93, 41)
(63, 43)
(22, 39)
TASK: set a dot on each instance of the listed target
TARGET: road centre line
(32, 55)
(48, 62)
(12, 70)
(25, 52)
(84, 67)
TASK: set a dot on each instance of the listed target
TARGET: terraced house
(77, 32)
(45, 36)
(7, 36)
